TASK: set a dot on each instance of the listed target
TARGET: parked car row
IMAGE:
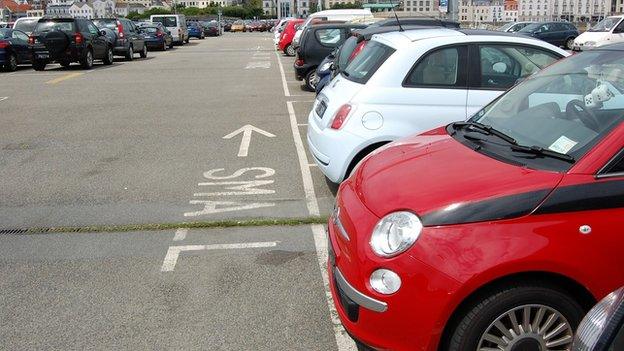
(481, 184)
(252, 26)
(560, 34)
(40, 41)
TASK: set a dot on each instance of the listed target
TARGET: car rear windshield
(367, 62)
(105, 23)
(50, 25)
(167, 21)
(345, 52)
(150, 29)
(26, 25)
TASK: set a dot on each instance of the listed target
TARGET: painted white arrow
(243, 150)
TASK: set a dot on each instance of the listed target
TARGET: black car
(67, 40)
(126, 37)
(13, 49)
(211, 29)
(316, 42)
(556, 33)
(415, 21)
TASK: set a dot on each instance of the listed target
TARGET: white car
(277, 30)
(409, 82)
(608, 31)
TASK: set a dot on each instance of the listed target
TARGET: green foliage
(250, 10)
(313, 7)
(354, 5)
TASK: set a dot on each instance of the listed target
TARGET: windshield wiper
(486, 129)
(540, 151)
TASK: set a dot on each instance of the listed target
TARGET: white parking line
(281, 67)
(171, 258)
(180, 234)
(2, 98)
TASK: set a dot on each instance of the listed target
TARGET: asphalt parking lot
(211, 131)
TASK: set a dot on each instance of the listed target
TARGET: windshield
(27, 25)
(506, 26)
(605, 25)
(565, 108)
(367, 62)
(110, 24)
(47, 26)
(166, 21)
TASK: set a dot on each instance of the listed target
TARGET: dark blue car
(157, 37)
(13, 49)
(195, 30)
(555, 33)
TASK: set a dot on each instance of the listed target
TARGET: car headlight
(325, 67)
(600, 323)
(395, 233)
(590, 43)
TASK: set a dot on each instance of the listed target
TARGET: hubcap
(314, 79)
(89, 58)
(528, 328)
(291, 50)
(110, 55)
(13, 63)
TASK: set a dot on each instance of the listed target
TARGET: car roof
(368, 32)
(414, 35)
(487, 32)
(337, 25)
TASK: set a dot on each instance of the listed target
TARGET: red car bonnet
(446, 182)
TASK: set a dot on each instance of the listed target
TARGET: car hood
(446, 182)
(591, 36)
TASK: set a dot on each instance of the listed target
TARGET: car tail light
(357, 50)
(120, 29)
(341, 116)
(3, 44)
(159, 34)
(31, 40)
(78, 38)
(299, 62)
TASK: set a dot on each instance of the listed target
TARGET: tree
(353, 5)
(313, 7)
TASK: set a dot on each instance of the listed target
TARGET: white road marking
(281, 67)
(180, 234)
(245, 187)
(243, 150)
(2, 98)
(312, 165)
(212, 207)
(343, 341)
(258, 64)
(308, 185)
(171, 258)
(302, 124)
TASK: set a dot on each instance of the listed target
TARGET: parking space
(247, 289)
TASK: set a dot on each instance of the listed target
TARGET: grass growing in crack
(259, 222)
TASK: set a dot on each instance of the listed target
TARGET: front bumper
(412, 318)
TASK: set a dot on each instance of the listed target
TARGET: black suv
(67, 40)
(126, 37)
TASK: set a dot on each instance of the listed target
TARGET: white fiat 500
(409, 82)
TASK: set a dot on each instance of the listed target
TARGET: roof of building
(13, 6)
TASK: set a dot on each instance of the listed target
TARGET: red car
(285, 43)
(498, 233)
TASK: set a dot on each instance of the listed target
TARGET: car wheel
(65, 63)
(108, 58)
(11, 63)
(290, 50)
(87, 60)
(521, 317)
(171, 45)
(39, 65)
(143, 53)
(164, 46)
(188, 39)
(569, 43)
(130, 54)
(312, 80)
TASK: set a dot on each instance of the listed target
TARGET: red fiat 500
(498, 233)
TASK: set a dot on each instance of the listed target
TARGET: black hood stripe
(503, 207)
(584, 197)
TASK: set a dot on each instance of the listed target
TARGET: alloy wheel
(89, 59)
(290, 50)
(314, 80)
(12, 64)
(528, 327)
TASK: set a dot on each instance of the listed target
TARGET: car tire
(130, 54)
(143, 52)
(171, 45)
(11, 63)
(569, 44)
(311, 80)
(188, 39)
(65, 63)
(289, 50)
(39, 65)
(108, 57)
(500, 318)
(87, 61)
(164, 46)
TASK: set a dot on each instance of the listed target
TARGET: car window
(109, 23)
(615, 166)
(26, 25)
(19, 35)
(46, 26)
(364, 65)
(502, 65)
(618, 341)
(329, 36)
(440, 68)
(167, 21)
(92, 29)
(619, 28)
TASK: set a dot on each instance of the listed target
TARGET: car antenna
(397, 17)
